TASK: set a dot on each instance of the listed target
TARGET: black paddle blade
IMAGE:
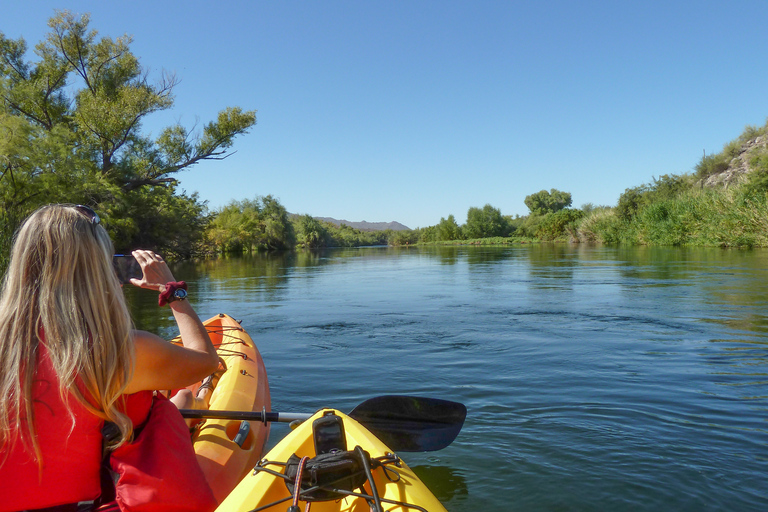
(411, 423)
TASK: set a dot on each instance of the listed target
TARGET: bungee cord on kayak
(224, 331)
(368, 477)
(329, 479)
(297, 491)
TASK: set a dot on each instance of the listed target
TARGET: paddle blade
(411, 423)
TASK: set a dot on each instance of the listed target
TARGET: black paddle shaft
(404, 423)
(262, 416)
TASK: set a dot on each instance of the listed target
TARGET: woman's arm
(162, 365)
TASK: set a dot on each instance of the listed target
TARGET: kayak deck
(397, 486)
(228, 449)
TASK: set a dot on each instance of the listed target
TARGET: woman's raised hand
(156, 271)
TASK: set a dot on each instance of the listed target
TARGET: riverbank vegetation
(724, 203)
(550, 219)
(698, 208)
(71, 132)
(264, 224)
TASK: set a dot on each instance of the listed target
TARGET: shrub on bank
(559, 225)
(526, 226)
(713, 217)
(603, 226)
(671, 222)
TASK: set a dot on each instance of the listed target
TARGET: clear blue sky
(411, 111)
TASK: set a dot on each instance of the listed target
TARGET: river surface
(595, 378)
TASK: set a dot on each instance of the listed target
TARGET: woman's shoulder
(139, 335)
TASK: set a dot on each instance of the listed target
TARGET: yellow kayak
(228, 449)
(341, 472)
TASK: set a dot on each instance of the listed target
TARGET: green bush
(752, 132)
(630, 202)
(673, 211)
(558, 225)
(603, 226)
(757, 179)
(718, 217)
(248, 225)
(526, 226)
(485, 222)
(403, 237)
(663, 223)
(310, 232)
(711, 164)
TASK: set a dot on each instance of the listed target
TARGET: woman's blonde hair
(60, 287)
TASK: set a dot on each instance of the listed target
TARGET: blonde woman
(70, 358)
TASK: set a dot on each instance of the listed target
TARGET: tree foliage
(402, 237)
(559, 224)
(757, 180)
(347, 236)
(310, 232)
(665, 187)
(711, 164)
(448, 229)
(544, 202)
(249, 225)
(71, 131)
(485, 222)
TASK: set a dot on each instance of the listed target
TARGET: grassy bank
(736, 217)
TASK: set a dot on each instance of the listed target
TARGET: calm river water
(595, 378)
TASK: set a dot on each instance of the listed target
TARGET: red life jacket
(71, 448)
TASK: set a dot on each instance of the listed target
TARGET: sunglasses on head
(88, 212)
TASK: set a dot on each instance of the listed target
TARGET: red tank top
(71, 447)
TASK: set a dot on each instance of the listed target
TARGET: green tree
(428, 234)
(248, 225)
(310, 232)
(663, 188)
(544, 202)
(630, 202)
(402, 237)
(70, 130)
(557, 225)
(485, 222)
(234, 228)
(448, 229)
(276, 227)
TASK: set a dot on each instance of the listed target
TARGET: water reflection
(450, 255)
(259, 278)
(445, 482)
(553, 266)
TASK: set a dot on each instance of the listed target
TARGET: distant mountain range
(367, 226)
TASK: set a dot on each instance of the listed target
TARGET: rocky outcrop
(739, 166)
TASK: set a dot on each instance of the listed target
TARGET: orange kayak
(227, 450)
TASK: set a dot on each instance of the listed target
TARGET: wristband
(174, 290)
